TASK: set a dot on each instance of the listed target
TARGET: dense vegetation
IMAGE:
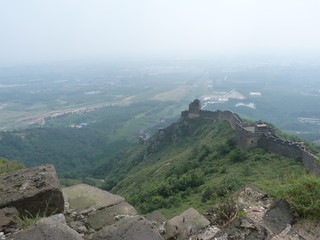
(194, 163)
(302, 193)
(7, 166)
(74, 151)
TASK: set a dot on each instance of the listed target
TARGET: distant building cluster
(255, 94)
(81, 125)
(311, 120)
(92, 92)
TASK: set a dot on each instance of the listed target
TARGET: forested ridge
(76, 151)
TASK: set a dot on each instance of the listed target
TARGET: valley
(31, 95)
(90, 122)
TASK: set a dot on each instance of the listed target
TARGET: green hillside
(193, 163)
(75, 151)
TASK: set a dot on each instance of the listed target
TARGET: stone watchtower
(194, 109)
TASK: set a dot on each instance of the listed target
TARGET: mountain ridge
(199, 160)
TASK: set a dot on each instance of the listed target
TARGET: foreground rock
(108, 215)
(244, 229)
(33, 190)
(94, 214)
(186, 224)
(263, 220)
(90, 209)
(307, 229)
(52, 228)
(158, 221)
(129, 228)
(83, 196)
(278, 217)
(9, 220)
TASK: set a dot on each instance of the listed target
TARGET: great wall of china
(249, 135)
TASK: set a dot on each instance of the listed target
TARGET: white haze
(57, 30)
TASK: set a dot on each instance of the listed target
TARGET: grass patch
(28, 219)
(302, 192)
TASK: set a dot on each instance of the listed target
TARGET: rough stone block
(82, 197)
(107, 216)
(243, 229)
(186, 224)
(128, 228)
(32, 190)
(48, 229)
(156, 217)
(9, 220)
(279, 216)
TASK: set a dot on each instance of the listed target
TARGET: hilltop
(202, 158)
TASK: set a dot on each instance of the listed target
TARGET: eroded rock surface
(33, 190)
(90, 209)
(128, 228)
(158, 221)
(207, 233)
(107, 216)
(51, 228)
(307, 229)
(263, 220)
(9, 220)
(186, 224)
(156, 217)
(83, 196)
(91, 213)
(244, 229)
(278, 216)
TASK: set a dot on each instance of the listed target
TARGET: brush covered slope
(192, 163)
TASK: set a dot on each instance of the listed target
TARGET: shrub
(228, 185)
(28, 219)
(237, 155)
(206, 194)
(7, 166)
(227, 211)
(303, 195)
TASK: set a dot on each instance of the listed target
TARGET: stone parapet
(257, 134)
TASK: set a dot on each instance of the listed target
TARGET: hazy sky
(50, 30)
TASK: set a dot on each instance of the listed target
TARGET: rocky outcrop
(129, 228)
(158, 221)
(244, 229)
(9, 220)
(93, 214)
(262, 218)
(278, 217)
(90, 209)
(186, 224)
(51, 228)
(107, 216)
(83, 196)
(307, 229)
(156, 217)
(33, 191)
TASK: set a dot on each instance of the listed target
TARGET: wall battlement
(257, 134)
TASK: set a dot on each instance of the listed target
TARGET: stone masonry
(257, 134)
